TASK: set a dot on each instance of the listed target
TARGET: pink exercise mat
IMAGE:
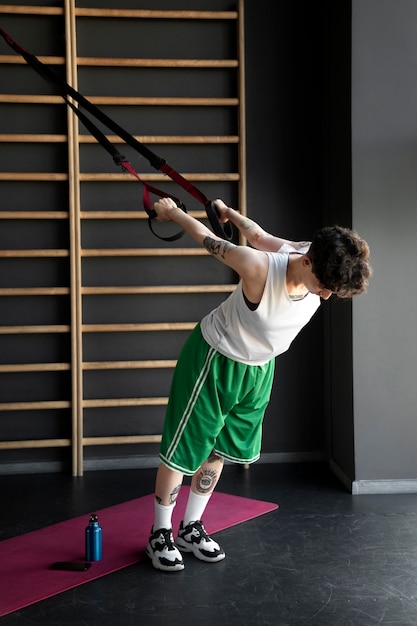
(25, 574)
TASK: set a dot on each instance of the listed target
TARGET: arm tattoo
(246, 224)
(217, 248)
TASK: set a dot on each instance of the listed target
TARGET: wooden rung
(129, 328)
(32, 138)
(109, 402)
(120, 100)
(33, 330)
(150, 14)
(35, 291)
(176, 63)
(157, 289)
(124, 177)
(30, 99)
(108, 441)
(35, 367)
(33, 176)
(34, 406)
(30, 10)
(167, 139)
(35, 443)
(115, 365)
(158, 101)
(128, 215)
(110, 215)
(148, 252)
(34, 215)
(91, 291)
(18, 60)
(154, 139)
(112, 177)
(28, 254)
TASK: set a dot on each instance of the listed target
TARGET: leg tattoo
(174, 494)
(208, 476)
(206, 480)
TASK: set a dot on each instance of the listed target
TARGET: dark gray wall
(368, 102)
(284, 82)
(384, 135)
(337, 207)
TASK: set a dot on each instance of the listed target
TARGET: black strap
(64, 90)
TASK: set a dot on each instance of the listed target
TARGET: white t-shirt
(255, 337)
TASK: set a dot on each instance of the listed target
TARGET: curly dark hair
(340, 261)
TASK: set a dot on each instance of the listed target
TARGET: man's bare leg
(161, 547)
(168, 485)
(192, 536)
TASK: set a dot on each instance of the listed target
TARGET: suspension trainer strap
(64, 90)
(119, 159)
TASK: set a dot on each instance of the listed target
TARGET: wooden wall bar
(81, 268)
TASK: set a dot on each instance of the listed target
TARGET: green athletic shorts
(215, 404)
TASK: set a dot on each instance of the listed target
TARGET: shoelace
(167, 535)
(199, 526)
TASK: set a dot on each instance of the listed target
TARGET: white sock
(163, 515)
(195, 507)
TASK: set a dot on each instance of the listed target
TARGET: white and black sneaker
(193, 538)
(162, 551)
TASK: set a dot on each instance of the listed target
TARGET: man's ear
(306, 261)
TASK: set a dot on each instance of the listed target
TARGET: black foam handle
(152, 214)
(225, 231)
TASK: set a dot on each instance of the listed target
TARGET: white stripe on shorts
(191, 403)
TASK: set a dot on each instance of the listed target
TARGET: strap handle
(221, 230)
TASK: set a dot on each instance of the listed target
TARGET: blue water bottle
(93, 540)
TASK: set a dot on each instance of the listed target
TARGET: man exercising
(223, 378)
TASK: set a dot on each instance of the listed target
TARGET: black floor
(324, 558)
